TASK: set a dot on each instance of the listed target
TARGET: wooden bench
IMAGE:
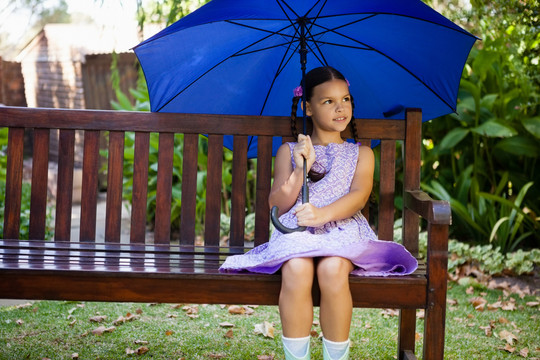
(176, 270)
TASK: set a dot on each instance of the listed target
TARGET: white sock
(336, 350)
(297, 346)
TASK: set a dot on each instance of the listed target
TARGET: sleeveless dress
(351, 238)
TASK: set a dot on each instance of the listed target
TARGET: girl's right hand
(304, 149)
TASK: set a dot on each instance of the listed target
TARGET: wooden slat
(115, 169)
(12, 209)
(411, 176)
(162, 231)
(178, 123)
(213, 191)
(64, 193)
(434, 321)
(139, 196)
(238, 197)
(264, 174)
(40, 169)
(386, 190)
(89, 191)
(189, 189)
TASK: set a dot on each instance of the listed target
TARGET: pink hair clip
(298, 91)
(348, 83)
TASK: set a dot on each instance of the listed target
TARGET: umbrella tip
(393, 111)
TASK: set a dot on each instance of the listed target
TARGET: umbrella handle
(275, 210)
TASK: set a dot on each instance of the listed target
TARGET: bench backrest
(93, 123)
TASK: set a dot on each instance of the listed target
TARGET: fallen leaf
(73, 323)
(509, 348)
(226, 324)
(169, 332)
(509, 305)
(75, 356)
(265, 357)
(508, 336)
(532, 303)
(139, 311)
(470, 290)
(172, 316)
(22, 306)
(98, 318)
(266, 329)
(386, 313)
(524, 352)
(478, 302)
(229, 334)
(418, 336)
(140, 351)
(236, 310)
(141, 342)
(503, 320)
(19, 322)
(121, 319)
(216, 356)
(452, 301)
(248, 310)
(487, 330)
(314, 334)
(102, 329)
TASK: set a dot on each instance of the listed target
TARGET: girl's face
(330, 106)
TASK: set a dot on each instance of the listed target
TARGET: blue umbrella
(241, 57)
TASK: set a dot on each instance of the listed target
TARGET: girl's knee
(333, 272)
(298, 271)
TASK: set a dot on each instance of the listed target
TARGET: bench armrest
(434, 211)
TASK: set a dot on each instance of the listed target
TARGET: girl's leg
(295, 301)
(336, 299)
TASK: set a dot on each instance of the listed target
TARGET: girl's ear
(308, 108)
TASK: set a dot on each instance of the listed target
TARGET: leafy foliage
(484, 158)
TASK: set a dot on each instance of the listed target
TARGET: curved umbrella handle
(275, 210)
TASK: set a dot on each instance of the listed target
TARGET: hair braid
(294, 130)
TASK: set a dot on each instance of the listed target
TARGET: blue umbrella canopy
(241, 56)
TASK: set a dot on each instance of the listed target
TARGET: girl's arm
(349, 204)
(288, 182)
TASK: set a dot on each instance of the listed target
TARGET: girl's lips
(340, 119)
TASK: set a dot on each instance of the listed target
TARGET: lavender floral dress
(350, 238)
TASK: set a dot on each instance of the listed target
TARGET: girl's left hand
(309, 215)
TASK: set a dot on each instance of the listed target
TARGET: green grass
(56, 330)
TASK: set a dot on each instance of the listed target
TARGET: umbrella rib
(278, 72)
(312, 23)
(402, 15)
(396, 62)
(278, 32)
(210, 69)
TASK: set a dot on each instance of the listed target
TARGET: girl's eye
(327, 102)
(346, 99)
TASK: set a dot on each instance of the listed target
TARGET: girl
(338, 240)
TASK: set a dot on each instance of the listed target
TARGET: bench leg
(434, 322)
(407, 331)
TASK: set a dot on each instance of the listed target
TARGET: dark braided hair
(313, 78)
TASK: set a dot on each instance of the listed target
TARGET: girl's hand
(309, 215)
(304, 149)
